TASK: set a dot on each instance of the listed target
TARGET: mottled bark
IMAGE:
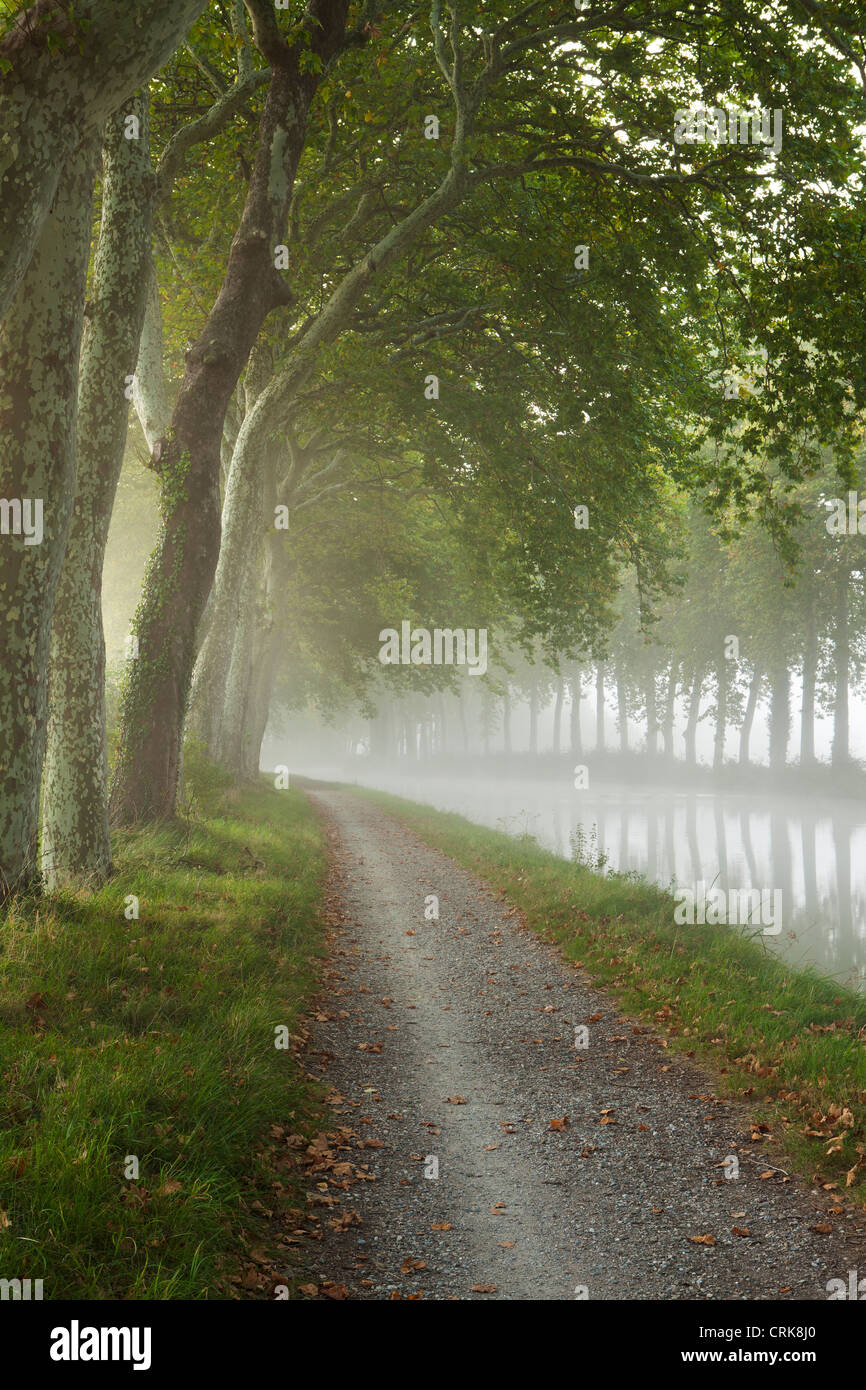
(75, 838)
(182, 568)
(149, 393)
(67, 66)
(235, 587)
(39, 348)
(267, 649)
(233, 727)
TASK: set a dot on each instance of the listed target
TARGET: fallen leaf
(484, 1288)
(703, 1240)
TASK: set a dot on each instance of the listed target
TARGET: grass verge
(155, 1038)
(790, 1041)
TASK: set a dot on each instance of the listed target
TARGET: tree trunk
(780, 717)
(182, 567)
(692, 722)
(148, 389)
(533, 716)
(651, 715)
(236, 579)
(75, 837)
(442, 725)
(721, 713)
(230, 750)
(779, 721)
(52, 95)
(464, 726)
(259, 702)
(599, 707)
(39, 347)
(670, 710)
(841, 657)
(749, 715)
(810, 668)
(621, 708)
(506, 719)
(557, 715)
(574, 731)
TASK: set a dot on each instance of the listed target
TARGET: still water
(812, 849)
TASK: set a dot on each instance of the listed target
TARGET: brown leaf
(703, 1240)
(455, 1100)
(559, 1124)
(740, 1230)
(441, 1226)
(484, 1288)
(169, 1187)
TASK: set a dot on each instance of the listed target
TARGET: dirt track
(473, 1006)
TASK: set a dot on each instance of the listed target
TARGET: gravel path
(453, 1040)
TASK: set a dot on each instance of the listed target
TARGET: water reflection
(816, 854)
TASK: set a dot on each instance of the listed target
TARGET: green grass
(792, 1042)
(155, 1038)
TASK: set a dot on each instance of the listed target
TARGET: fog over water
(811, 847)
(815, 852)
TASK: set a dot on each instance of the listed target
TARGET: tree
(39, 340)
(75, 835)
(65, 66)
